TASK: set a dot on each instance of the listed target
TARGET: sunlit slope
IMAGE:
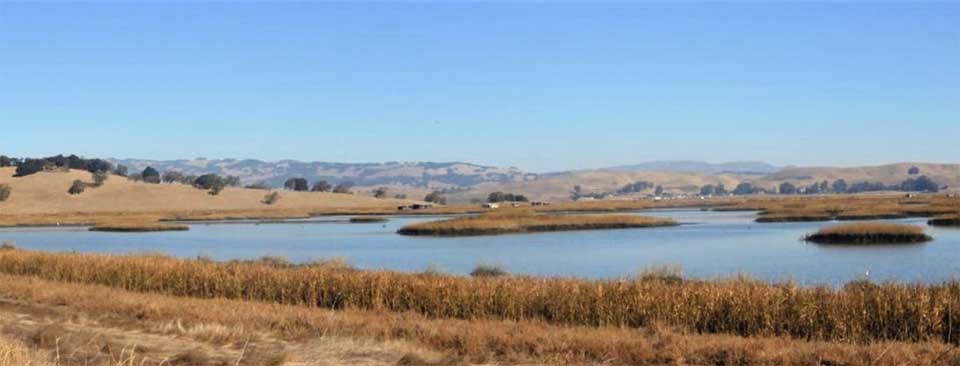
(46, 192)
(944, 174)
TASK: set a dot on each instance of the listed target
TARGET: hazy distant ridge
(410, 174)
(682, 166)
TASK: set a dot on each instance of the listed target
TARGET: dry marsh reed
(367, 219)
(946, 220)
(136, 227)
(14, 353)
(853, 207)
(858, 312)
(527, 221)
(458, 341)
(869, 233)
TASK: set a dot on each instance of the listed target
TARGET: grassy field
(869, 233)
(528, 221)
(858, 312)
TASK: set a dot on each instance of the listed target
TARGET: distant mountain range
(425, 175)
(463, 182)
(681, 166)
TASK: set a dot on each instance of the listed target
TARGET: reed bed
(848, 208)
(521, 221)
(858, 312)
(458, 341)
(794, 217)
(869, 233)
(367, 219)
(14, 353)
(138, 227)
(946, 220)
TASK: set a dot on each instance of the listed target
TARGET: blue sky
(541, 86)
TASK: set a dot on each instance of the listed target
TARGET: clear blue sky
(539, 86)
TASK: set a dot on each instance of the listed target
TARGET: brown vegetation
(15, 353)
(869, 233)
(946, 220)
(847, 207)
(859, 312)
(367, 219)
(134, 227)
(525, 221)
(412, 339)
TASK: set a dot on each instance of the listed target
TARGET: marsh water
(708, 245)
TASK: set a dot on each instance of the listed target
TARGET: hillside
(459, 182)
(557, 186)
(46, 192)
(680, 166)
(944, 174)
(423, 175)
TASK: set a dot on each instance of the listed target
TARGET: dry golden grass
(859, 312)
(847, 207)
(526, 221)
(15, 353)
(429, 341)
(42, 198)
(869, 233)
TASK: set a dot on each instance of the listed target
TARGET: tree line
(28, 166)
(920, 183)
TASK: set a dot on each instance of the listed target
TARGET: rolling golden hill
(46, 193)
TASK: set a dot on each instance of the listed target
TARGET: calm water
(714, 244)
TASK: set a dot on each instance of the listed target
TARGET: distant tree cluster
(578, 193)
(380, 192)
(746, 188)
(344, 187)
(714, 190)
(635, 187)
(919, 184)
(321, 186)
(912, 184)
(28, 166)
(435, 197)
(212, 183)
(297, 184)
(150, 175)
(506, 197)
